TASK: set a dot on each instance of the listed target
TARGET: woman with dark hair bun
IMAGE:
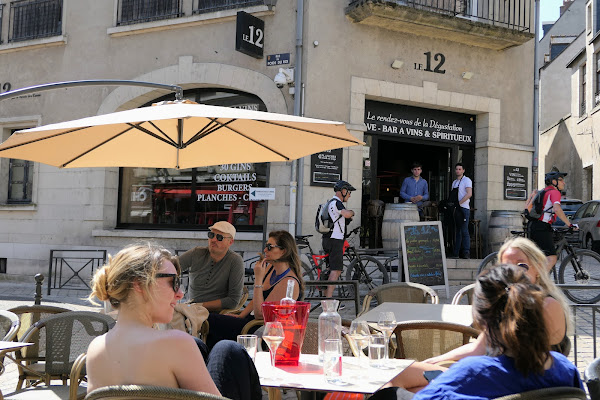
(509, 310)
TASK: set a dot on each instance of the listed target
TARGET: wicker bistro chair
(72, 392)
(466, 291)
(144, 392)
(420, 340)
(592, 379)
(399, 292)
(245, 294)
(554, 393)
(9, 325)
(62, 337)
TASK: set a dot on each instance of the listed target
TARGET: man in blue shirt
(414, 188)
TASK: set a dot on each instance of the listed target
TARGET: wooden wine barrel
(502, 222)
(393, 216)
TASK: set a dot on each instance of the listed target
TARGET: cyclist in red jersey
(540, 230)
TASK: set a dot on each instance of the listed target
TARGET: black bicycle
(366, 269)
(578, 267)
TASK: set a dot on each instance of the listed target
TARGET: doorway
(393, 165)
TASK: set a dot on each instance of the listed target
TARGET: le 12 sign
(250, 35)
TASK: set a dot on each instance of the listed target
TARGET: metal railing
(206, 6)
(510, 14)
(137, 11)
(33, 19)
(73, 269)
(585, 317)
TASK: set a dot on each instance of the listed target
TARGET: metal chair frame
(378, 294)
(465, 291)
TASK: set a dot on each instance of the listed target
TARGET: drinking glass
(250, 343)
(332, 361)
(273, 335)
(387, 324)
(377, 344)
(359, 334)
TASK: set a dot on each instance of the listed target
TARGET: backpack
(324, 224)
(537, 206)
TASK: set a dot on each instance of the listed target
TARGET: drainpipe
(536, 99)
(295, 221)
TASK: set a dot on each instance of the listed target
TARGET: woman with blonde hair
(525, 254)
(143, 283)
(509, 310)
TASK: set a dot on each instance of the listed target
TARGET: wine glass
(359, 334)
(387, 324)
(273, 335)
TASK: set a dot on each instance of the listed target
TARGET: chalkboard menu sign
(423, 254)
(515, 183)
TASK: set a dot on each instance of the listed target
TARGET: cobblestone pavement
(13, 294)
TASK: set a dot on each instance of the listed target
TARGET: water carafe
(330, 324)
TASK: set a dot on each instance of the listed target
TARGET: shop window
(34, 19)
(2, 265)
(160, 198)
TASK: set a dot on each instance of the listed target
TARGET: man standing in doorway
(540, 230)
(333, 242)
(216, 272)
(414, 188)
(464, 186)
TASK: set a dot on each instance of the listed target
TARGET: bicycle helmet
(341, 185)
(552, 175)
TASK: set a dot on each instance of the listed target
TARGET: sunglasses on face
(220, 237)
(523, 265)
(270, 246)
(176, 280)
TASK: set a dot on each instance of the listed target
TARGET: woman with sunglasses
(510, 311)
(143, 283)
(281, 263)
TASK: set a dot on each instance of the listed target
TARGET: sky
(549, 11)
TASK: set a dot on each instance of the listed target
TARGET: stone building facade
(438, 83)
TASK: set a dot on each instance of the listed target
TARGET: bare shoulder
(552, 306)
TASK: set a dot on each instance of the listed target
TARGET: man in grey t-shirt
(216, 272)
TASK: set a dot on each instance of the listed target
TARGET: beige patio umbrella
(178, 134)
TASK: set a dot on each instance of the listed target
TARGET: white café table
(308, 375)
(459, 314)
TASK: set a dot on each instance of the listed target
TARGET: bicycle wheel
(590, 263)
(488, 262)
(376, 274)
(308, 275)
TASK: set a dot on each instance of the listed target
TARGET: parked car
(588, 219)
(569, 206)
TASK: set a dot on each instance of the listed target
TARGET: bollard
(37, 300)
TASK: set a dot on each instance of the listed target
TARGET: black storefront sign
(250, 35)
(419, 123)
(515, 183)
(326, 168)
